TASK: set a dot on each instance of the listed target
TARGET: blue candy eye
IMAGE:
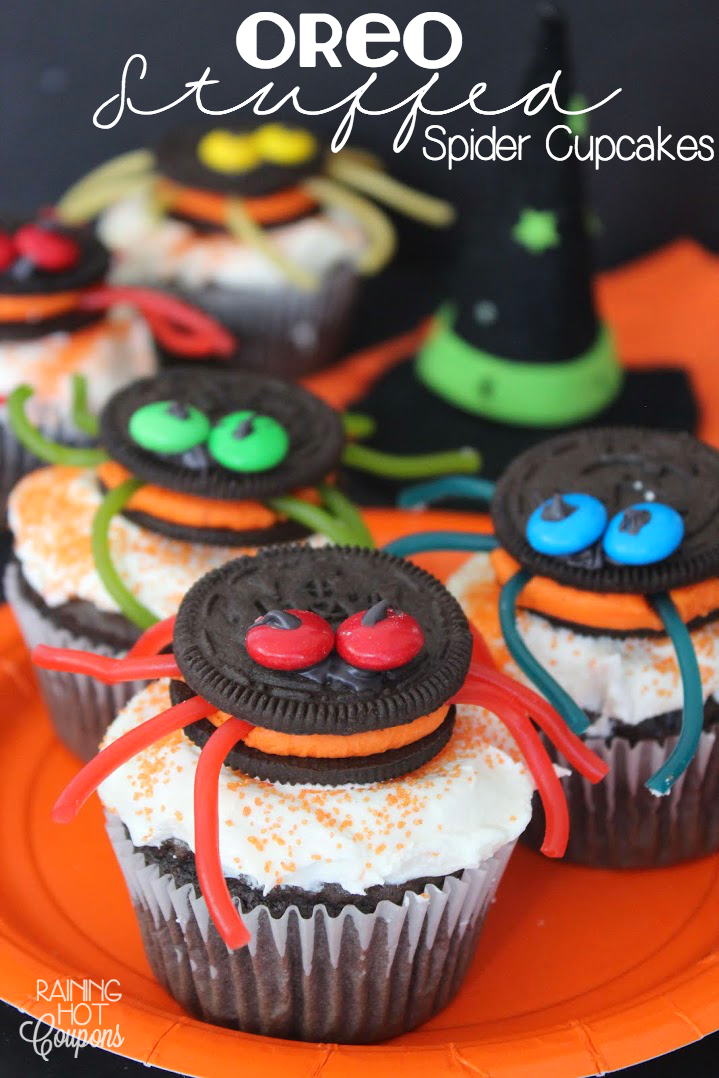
(566, 524)
(643, 534)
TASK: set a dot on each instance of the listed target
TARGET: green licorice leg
(37, 443)
(82, 417)
(422, 495)
(693, 705)
(542, 679)
(423, 466)
(357, 425)
(112, 503)
(314, 518)
(347, 512)
(424, 542)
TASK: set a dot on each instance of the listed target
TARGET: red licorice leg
(572, 747)
(76, 793)
(556, 832)
(154, 639)
(106, 669)
(207, 833)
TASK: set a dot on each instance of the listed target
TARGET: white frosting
(50, 513)
(109, 355)
(151, 249)
(454, 813)
(631, 678)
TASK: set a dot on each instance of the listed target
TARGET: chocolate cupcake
(310, 833)
(263, 227)
(193, 468)
(603, 593)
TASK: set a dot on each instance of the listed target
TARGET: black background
(60, 61)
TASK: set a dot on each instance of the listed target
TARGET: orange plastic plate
(578, 972)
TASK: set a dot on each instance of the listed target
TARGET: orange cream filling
(339, 746)
(37, 308)
(604, 610)
(193, 511)
(212, 207)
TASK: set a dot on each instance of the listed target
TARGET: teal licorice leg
(37, 443)
(111, 504)
(340, 506)
(422, 495)
(424, 542)
(693, 705)
(561, 701)
(82, 417)
(424, 466)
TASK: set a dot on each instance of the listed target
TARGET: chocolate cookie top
(232, 436)
(335, 691)
(613, 510)
(41, 257)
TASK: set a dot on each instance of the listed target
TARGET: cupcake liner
(354, 978)
(284, 332)
(80, 708)
(618, 823)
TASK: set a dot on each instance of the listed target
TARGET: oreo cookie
(178, 159)
(332, 583)
(284, 531)
(651, 484)
(313, 434)
(23, 278)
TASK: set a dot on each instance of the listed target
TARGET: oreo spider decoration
(316, 667)
(223, 458)
(52, 279)
(610, 530)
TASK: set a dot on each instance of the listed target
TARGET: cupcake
(310, 833)
(603, 592)
(193, 468)
(264, 228)
(58, 318)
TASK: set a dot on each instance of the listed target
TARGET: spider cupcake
(59, 318)
(192, 469)
(604, 587)
(305, 779)
(263, 227)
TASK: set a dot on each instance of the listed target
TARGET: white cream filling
(454, 813)
(626, 678)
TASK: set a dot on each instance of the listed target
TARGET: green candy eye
(168, 427)
(247, 442)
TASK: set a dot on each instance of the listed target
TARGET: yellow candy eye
(224, 151)
(283, 145)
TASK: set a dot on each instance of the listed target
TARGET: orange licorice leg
(76, 793)
(103, 667)
(154, 639)
(207, 833)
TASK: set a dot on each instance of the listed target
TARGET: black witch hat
(518, 350)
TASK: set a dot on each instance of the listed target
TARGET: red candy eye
(379, 638)
(8, 251)
(289, 640)
(46, 249)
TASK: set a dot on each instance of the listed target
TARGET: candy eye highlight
(168, 427)
(566, 523)
(380, 638)
(289, 640)
(643, 533)
(248, 442)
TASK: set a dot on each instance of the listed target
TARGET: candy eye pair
(240, 442)
(38, 247)
(379, 638)
(641, 534)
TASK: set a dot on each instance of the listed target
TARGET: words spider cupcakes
(605, 586)
(58, 318)
(264, 227)
(310, 833)
(193, 467)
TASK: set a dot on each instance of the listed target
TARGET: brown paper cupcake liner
(618, 823)
(284, 332)
(80, 708)
(354, 978)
